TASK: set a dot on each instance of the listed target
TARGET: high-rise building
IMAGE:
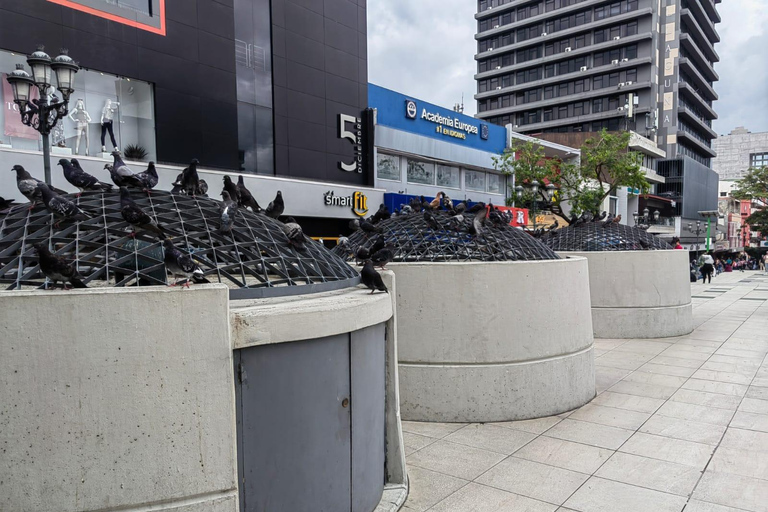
(584, 65)
(739, 151)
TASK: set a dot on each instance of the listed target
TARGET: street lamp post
(41, 113)
(534, 188)
(698, 231)
(644, 221)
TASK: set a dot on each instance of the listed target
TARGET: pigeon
(56, 268)
(555, 225)
(431, 221)
(608, 220)
(644, 244)
(425, 205)
(372, 279)
(148, 178)
(478, 221)
(232, 189)
(190, 181)
(177, 184)
(27, 185)
(456, 222)
(617, 219)
(136, 217)
(275, 208)
(343, 242)
(460, 208)
(246, 198)
(77, 177)
(381, 214)
(202, 188)
(415, 204)
(182, 264)
(495, 216)
(476, 208)
(59, 206)
(447, 202)
(294, 233)
(601, 216)
(406, 209)
(228, 211)
(383, 256)
(377, 245)
(573, 220)
(362, 254)
(6, 204)
(437, 202)
(121, 174)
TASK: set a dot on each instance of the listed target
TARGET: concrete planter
(639, 294)
(493, 341)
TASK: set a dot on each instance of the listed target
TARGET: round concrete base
(495, 341)
(639, 294)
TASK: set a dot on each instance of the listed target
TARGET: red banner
(13, 125)
(519, 215)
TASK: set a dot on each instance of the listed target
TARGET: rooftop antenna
(459, 107)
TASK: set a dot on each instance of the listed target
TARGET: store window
(102, 108)
(494, 183)
(613, 205)
(474, 180)
(387, 167)
(421, 172)
(448, 176)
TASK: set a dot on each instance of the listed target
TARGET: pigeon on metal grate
(276, 208)
(136, 217)
(381, 214)
(608, 220)
(121, 174)
(460, 208)
(57, 268)
(232, 189)
(181, 264)
(228, 212)
(437, 202)
(617, 219)
(367, 227)
(202, 188)
(495, 216)
(148, 179)
(246, 198)
(431, 221)
(27, 185)
(406, 209)
(476, 208)
(383, 256)
(77, 177)
(425, 205)
(5, 204)
(372, 279)
(478, 221)
(415, 204)
(294, 233)
(601, 216)
(447, 202)
(59, 206)
(378, 245)
(190, 181)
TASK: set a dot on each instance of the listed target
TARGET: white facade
(738, 151)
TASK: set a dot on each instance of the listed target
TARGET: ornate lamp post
(41, 113)
(644, 221)
(697, 231)
(533, 186)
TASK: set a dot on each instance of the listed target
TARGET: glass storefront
(448, 176)
(474, 180)
(421, 172)
(99, 103)
(388, 167)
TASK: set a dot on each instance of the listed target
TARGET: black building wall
(320, 70)
(192, 67)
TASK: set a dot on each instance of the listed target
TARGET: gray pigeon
(246, 199)
(228, 211)
(276, 208)
(136, 217)
(121, 174)
(190, 181)
(372, 279)
(294, 233)
(61, 207)
(431, 221)
(182, 264)
(148, 179)
(27, 185)
(77, 177)
(478, 221)
(56, 268)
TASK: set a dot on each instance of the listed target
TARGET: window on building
(549, 92)
(494, 183)
(421, 172)
(387, 167)
(597, 106)
(578, 109)
(581, 41)
(613, 79)
(547, 114)
(632, 28)
(630, 52)
(758, 160)
(631, 75)
(474, 180)
(613, 205)
(448, 176)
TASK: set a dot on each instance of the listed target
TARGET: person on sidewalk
(676, 243)
(707, 267)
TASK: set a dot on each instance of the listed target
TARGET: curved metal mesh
(254, 259)
(414, 240)
(594, 236)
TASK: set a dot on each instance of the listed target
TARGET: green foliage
(754, 187)
(134, 152)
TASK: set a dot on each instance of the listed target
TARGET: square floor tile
(694, 412)
(491, 437)
(754, 405)
(733, 490)
(600, 495)
(678, 451)
(414, 442)
(746, 440)
(564, 454)
(628, 402)
(534, 480)
(534, 426)
(592, 434)
(605, 377)
(750, 421)
(675, 361)
(748, 370)
(610, 416)
(655, 378)
(650, 473)
(683, 429)
(642, 389)
(690, 396)
(711, 386)
(746, 354)
(739, 462)
(429, 487)
(429, 429)
(665, 369)
(720, 376)
(481, 498)
(643, 347)
(454, 459)
(757, 392)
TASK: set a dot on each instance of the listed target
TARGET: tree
(606, 164)
(754, 187)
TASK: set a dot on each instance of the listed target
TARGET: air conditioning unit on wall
(568, 49)
(617, 38)
(583, 68)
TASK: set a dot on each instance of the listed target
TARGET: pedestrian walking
(762, 263)
(707, 267)
(676, 243)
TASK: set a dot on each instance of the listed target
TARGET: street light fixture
(549, 191)
(644, 221)
(40, 113)
(697, 231)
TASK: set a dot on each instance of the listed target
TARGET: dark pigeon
(56, 268)
(148, 178)
(246, 198)
(372, 279)
(381, 214)
(232, 190)
(61, 207)
(294, 233)
(121, 174)
(476, 208)
(77, 177)
(228, 211)
(190, 181)
(202, 188)
(177, 184)
(431, 220)
(383, 256)
(362, 254)
(608, 220)
(6, 204)
(478, 221)
(378, 245)
(136, 217)
(181, 264)
(276, 207)
(460, 207)
(27, 185)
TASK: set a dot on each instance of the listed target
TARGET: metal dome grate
(414, 241)
(254, 259)
(594, 236)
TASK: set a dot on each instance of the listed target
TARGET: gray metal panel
(295, 432)
(368, 403)
(405, 142)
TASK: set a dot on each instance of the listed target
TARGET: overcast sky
(426, 48)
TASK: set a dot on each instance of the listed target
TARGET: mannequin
(80, 116)
(107, 117)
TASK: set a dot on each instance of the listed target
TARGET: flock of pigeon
(178, 262)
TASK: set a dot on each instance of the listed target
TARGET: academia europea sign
(446, 125)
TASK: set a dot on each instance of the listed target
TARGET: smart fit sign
(357, 202)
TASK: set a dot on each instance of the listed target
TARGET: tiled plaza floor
(678, 424)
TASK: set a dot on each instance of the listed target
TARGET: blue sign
(407, 114)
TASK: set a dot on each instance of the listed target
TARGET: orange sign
(519, 215)
(81, 6)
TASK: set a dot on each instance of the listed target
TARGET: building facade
(738, 152)
(585, 65)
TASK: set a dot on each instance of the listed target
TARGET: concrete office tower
(584, 65)
(739, 151)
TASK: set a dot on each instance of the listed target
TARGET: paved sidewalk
(678, 424)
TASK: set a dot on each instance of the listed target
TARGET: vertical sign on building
(669, 70)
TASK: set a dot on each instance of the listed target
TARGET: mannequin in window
(81, 117)
(107, 116)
